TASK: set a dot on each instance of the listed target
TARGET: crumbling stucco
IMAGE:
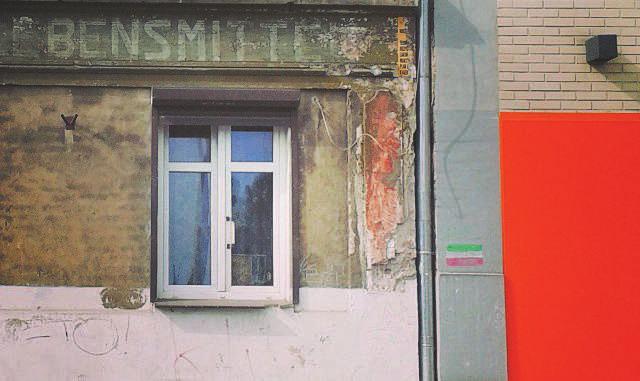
(80, 209)
(355, 221)
(396, 256)
(108, 163)
(382, 172)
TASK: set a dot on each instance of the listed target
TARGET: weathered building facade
(229, 191)
(81, 295)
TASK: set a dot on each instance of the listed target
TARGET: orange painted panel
(571, 224)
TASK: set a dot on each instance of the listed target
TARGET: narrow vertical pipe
(424, 199)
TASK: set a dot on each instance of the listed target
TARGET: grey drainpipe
(424, 200)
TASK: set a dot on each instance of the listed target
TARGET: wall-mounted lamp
(69, 126)
(69, 121)
(601, 48)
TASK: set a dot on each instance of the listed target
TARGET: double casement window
(224, 207)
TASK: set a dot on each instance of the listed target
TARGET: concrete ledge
(397, 3)
(23, 298)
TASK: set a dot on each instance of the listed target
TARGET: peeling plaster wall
(77, 214)
(387, 161)
(382, 172)
(114, 333)
(352, 143)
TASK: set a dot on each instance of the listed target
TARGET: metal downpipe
(424, 200)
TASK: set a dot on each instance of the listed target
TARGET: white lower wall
(334, 334)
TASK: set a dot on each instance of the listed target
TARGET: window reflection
(189, 229)
(189, 144)
(252, 144)
(252, 210)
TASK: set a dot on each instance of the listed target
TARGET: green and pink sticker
(464, 254)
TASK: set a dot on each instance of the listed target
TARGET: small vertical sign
(402, 64)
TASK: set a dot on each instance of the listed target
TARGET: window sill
(186, 303)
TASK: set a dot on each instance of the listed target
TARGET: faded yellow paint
(322, 191)
(78, 216)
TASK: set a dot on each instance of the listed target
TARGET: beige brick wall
(542, 60)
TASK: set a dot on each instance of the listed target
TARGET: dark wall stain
(86, 95)
(123, 298)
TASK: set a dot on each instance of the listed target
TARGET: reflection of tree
(253, 216)
(200, 266)
(189, 228)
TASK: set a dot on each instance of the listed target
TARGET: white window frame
(221, 292)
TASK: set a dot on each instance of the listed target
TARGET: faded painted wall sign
(205, 39)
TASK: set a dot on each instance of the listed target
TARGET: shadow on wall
(460, 32)
(623, 74)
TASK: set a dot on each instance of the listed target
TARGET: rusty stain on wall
(77, 217)
(382, 173)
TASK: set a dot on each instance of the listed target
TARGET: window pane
(252, 211)
(190, 143)
(189, 229)
(251, 144)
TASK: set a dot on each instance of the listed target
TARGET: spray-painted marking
(463, 247)
(464, 254)
(403, 48)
